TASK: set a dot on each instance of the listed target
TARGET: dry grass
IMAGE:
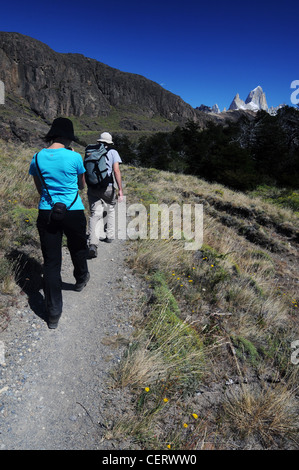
(166, 347)
(18, 209)
(16, 184)
(268, 414)
(231, 289)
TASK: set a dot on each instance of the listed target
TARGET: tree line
(242, 155)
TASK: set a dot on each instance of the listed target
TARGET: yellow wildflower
(185, 425)
(195, 416)
(147, 389)
(165, 400)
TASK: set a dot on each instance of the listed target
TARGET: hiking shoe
(108, 240)
(93, 252)
(80, 285)
(53, 322)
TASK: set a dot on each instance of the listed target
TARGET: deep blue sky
(204, 51)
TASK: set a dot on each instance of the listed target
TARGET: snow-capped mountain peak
(255, 101)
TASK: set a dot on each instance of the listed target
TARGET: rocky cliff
(70, 84)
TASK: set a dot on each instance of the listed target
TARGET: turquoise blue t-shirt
(60, 169)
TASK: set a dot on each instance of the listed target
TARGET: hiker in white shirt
(102, 201)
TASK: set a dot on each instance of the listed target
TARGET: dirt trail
(55, 385)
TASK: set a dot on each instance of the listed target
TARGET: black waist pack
(58, 211)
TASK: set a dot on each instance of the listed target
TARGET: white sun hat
(105, 137)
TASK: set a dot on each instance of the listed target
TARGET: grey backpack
(95, 163)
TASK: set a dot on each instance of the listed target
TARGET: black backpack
(95, 163)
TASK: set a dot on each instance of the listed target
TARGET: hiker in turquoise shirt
(61, 168)
(58, 177)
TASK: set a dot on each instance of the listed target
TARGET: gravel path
(56, 385)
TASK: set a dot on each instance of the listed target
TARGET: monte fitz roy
(255, 101)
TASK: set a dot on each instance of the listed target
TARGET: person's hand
(120, 196)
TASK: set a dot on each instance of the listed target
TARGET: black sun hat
(61, 127)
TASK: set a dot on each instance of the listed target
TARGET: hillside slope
(239, 292)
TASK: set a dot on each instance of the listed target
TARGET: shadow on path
(28, 276)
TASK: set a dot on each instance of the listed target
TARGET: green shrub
(245, 350)
(24, 222)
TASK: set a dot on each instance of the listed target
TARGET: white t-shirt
(111, 158)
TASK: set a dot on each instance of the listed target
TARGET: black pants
(74, 228)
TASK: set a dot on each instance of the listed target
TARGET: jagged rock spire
(255, 101)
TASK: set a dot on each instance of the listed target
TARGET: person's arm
(37, 184)
(81, 181)
(117, 175)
